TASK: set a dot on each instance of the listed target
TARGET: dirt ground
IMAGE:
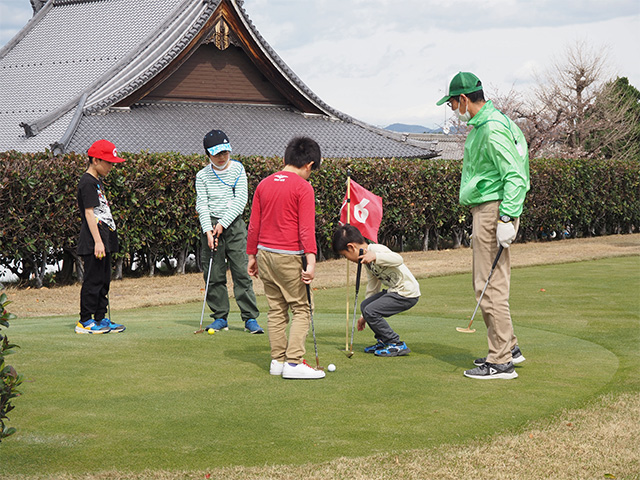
(170, 290)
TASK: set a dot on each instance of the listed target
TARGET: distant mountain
(404, 128)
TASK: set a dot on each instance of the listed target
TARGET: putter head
(465, 329)
(348, 353)
(199, 331)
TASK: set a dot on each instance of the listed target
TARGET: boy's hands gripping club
(212, 237)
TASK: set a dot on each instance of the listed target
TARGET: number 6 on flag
(360, 213)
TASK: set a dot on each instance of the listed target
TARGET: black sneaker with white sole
(492, 371)
(516, 355)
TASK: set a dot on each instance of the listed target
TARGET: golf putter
(206, 287)
(313, 330)
(355, 304)
(495, 262)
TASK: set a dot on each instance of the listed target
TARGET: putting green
(160, 397)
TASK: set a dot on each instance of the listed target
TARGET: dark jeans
(232, 251)
(385, 304)
(95, 287)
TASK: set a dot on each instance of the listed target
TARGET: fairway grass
(159, 398)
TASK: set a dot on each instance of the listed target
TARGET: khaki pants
(281, 275)
(495, 303)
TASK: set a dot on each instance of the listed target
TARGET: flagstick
(346, 338)
(346, 335)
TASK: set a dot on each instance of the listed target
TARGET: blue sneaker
(252, 326)
(91, 327)
(113, 327)
(393, 350)
(217, 325)
(373, 348)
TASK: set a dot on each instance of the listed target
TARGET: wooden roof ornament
(221, 34)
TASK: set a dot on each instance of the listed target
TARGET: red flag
(365, 211)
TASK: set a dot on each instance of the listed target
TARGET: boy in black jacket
(98, 240)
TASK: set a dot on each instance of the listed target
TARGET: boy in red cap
(97, 241)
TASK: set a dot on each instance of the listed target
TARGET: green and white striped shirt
(221, 194)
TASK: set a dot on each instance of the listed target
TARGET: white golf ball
(331, 367)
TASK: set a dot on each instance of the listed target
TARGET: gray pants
(385, 304)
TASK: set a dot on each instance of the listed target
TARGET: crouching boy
(383, 267)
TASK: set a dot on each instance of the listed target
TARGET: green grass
(159, 397)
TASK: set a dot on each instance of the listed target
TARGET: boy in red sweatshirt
(281, 230)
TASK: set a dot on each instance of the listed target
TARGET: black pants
(95, 287)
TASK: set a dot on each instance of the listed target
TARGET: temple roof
(128, 71)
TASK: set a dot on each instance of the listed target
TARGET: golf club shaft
(493, 267)
(313, 330)
(355, 304)
(206, 287)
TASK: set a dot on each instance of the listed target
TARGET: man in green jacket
(495, 180)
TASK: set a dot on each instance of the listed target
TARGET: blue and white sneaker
(113, 327)
(217, 325)
(252, 326)
(373, 348)
(393, 350)
(91, 327)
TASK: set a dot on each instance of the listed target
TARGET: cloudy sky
(388, 61)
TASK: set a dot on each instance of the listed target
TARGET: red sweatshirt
(283, 215)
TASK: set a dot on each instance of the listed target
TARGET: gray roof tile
(451, 146)
(252, 130)
(63, 53)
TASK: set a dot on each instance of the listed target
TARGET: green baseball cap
(462, 83)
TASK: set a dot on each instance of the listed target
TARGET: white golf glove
(505, 234)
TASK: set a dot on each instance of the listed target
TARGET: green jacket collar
(483, 114)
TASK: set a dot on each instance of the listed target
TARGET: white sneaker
(276, 367)
(301, 371)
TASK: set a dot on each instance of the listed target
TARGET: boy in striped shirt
(221, 189)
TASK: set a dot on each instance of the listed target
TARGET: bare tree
(572, 104)
(569, 88)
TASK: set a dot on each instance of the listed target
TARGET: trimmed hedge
(153, 202)
(10, 380)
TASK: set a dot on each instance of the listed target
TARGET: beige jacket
(389, 270)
